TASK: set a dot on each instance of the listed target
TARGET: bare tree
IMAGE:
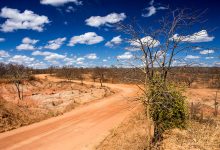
(112, 74)
(157, 50)
(100, 74)
(94, 75)
(18, 73)
(3, 70)
(80, 74)
(67, 72)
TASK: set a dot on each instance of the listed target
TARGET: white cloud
(201, 36)
(192, 57)
(39, 53)
(79, 63)
(4, 53)
(204, 52)
(96, 21)
(104, 60)
(209, 57)
(115, 41)
(27, 44)
(2, 39)
(80, 59)
(54, 57)
(38, 65)
(146, 41)
(88, 38)
(91, 56)
(55, 44)
(151, 10)
(132, 48)
(126, 55)
(197, 48)
(21, 59)
(60, 2)
(217, 64)
(70, 9)
(26, 20)
(49, 56)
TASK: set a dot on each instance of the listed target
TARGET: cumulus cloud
(26, 20)
(55, 44)
(91, 56)
(88, 38)
(27, 44)
(40, 53)
(151, 10)
(204, 52)
(4, 54)
(126, 55)
(2, 39)
(60, 2)
(54, 56)
(115, 41)
(201, 36)
(217, 64)
(146, 41)
(49, 56)
(192, 57)
(21, 59)
(96, 21)
(80, 59)
(38, 65)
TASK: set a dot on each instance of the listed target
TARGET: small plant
(168, 108)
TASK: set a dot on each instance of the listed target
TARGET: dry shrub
(71, 106)
(13, 116)
(56, 103)
(199, 136)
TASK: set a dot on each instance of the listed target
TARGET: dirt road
(82, 128)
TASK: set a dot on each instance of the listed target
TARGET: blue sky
(41, 33)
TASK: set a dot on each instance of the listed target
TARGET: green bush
(168, 108)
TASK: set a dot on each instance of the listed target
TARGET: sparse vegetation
(43, 99)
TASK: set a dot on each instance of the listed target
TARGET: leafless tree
(18, 73)
(157, 50)
(79, 73)
(94, 75)
(112, 74)
(3, 70)
(67, 72)
(100, 72)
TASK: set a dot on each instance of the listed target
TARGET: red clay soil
(83, 128)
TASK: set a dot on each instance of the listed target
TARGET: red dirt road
(83, 128)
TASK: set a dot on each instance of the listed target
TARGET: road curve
(81, 129)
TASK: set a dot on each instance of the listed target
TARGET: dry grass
(199, 136)
(13, 116)
(130, 135)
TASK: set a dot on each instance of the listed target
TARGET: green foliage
(167, 107)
